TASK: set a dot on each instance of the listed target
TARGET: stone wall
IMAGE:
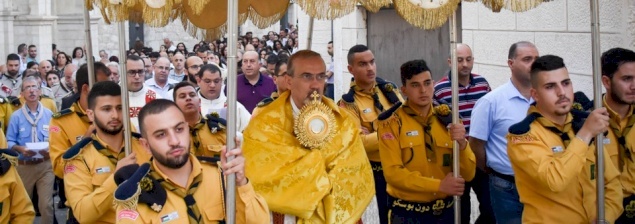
(560, 27)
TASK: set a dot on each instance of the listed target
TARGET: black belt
(437, 207)
(506, 177)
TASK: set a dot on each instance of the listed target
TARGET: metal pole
(455, 113)
(597, 96)
(232, 64)
(309, 37)
(90, 61)
(124, 86)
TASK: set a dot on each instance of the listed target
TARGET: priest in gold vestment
(304, 155)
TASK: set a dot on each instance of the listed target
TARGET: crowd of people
(525, 147)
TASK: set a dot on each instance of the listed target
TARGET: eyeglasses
(283, 74)
(31, 87)
(310, 77)
(164, 68)
(139, 72)
(195, 66)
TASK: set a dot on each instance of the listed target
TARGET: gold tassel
(327, 9)
(522, 5)
(494, 5)
(157, 17)
(129, 203)
(12, 159)
(264, 22)
(389, 121)
(197, 6)
(374, 5)
(426, 18)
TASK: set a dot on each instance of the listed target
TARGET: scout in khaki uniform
(207, 133)
(415, 145)
(304, 154)
(91, 163)
(280, 78)
(177, 187)
(15, 204)
(618, 77)
(550, 153)
(368, 96)
(6, 109)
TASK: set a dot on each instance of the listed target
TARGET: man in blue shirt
(496, 111)
(30, 124)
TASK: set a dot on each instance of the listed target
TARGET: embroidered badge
(79, 138)
(522, 138)
(134, 111)
(169, 217)
(127, 214)
(69, 168)
(387, 136)
(630, 209)
(156, 207)
(412, 133)
(54, 129)
(606, 141)
(101, 170)
(557, 149)
(367, 110)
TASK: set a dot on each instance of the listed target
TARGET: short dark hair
(31, 46)
(210, 68)
(412, 68)
(104, 88)
(354, 50)
(31, 63)
(154, 54)
(99, 66)
(21, 48)
(298, 55)
(154, 107)
(514, 47)
(54, 46)
(133, 57)
(272, 59)
(52, 72)
(545, 63)
(278, 65)
(13, 57)
(81, 77)
(614, 58)
(181, 85)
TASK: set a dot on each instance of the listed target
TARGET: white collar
(296, 110)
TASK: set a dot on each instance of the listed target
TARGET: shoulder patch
(523, 126)
(74, 150)
(350, 96)
(62, 113)
(140, 187)
(388, 89)
(8, 158)
(265, 102)
(388, 113)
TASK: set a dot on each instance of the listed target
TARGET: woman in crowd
(78, 56)
(52, 79)
(181, 48)
(62, 61)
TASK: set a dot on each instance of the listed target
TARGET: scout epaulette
(579, 116)
(74, 150)
(8, 158)
(388, 89)
(350, 96)
(584, 101)
(265, 102)
(135, 135)
(388, 113)
(135, 185)
(444, 114)
(523, 126)
(63, 112)
(215, 123)
(14, 101)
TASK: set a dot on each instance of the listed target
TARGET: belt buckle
(437, 208)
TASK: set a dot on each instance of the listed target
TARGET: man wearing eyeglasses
(30, 125)
(138, 93)
(193, 65)
(160, 83)
(178, 74)
(213, 99)
(329, 184)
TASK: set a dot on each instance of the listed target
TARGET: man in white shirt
(212, 97)
(138, 93)
(178, 74)
(160, 82)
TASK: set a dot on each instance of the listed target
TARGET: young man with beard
(29, 124)
(415, 148)
(368, 96)
(193, 187)
(214, 100)
(91, 163)
(207, 132)
(15, 205)
(317, 181)
(553, 154)
(618, 77)
(11, 82)
(193, 65)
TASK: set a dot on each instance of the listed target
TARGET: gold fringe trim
(197, 6)
(157, 17)
(129, 203)
(263, 22)
(12, 159)
(375, 5)
(351, 107)
(205, 34)
(494, 5)
(389, 121)
(327, 9)
(425, 18)
(522, 5)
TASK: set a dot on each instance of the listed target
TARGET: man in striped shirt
(471, 88)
